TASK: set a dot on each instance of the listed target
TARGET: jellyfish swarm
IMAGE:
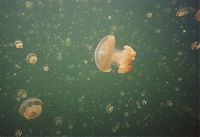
(31, 108)
(106, 55)
(31, 58)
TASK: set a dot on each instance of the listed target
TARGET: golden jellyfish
(18, 44)
(31, 108)
(197, 15)
(31, 58)
(109, 108)
(106, 55)
(182, 12)
(46, 68)
(149, 15)
(21, 94)
(195, 45)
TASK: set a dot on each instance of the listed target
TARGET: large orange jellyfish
(106, 55)
(31, 108)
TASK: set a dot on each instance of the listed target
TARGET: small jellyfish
(31, 108)
(182, 12)
(46, 68)
(195, 45)
(21, 94)
(29, 4)
(31, 58)
(58, 121)
(109, 108)
(197, 15)
(149, 15)
(106, 55)
(18, 133)
(18, 44)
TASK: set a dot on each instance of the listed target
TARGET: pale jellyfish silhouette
(106, 55)
(182, 12)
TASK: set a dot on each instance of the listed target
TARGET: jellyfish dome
(31, 108)
(106, 55)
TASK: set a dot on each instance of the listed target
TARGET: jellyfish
(149, 15)
(31, 58)
(182, 12)
(109, 108)
(18, 133)
(31, 108)
(106, 55)
(58, 121)
(21, 94)
(195, 45)
(197, 15)
(18, 44)
(46, 68)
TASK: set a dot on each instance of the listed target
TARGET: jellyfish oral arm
(124, 59)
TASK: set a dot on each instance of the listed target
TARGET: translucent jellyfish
(182, 12)
(31, 58)
(109, 108)
(149, 15)
(197, 15)
(58, 121)
(195, 45)
(18, 133)
(29, 4)
(46, 67)
(106, 55)
(31, 108)
(18, 44)
(21, 94)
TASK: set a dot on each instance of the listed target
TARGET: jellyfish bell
(31, 58)
(31, 108)
(106, 55)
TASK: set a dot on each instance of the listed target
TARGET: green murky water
(160, 97)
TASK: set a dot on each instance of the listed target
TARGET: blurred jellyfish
(21, 94)
(31, 58)
(29, 4)
(195, 45)
(31, 108)
(182, 12)
(46, 68)
(109, 108)
(169, 103)
(18, 44)
(149, 15)
(18, 133)
(58, 121)
(197, 15)
(106, 55)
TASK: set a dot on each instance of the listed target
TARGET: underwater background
(159, 97)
